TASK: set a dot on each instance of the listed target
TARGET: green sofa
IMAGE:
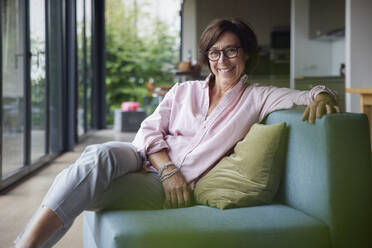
(325, 199)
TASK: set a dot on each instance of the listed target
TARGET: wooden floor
(18, 203)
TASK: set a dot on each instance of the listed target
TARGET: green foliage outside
(38, 83)
(133, 57)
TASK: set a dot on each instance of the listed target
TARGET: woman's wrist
(167, 170)
(164, 167)
(326, 97)
(169, 173)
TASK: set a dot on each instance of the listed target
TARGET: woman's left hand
(323, 104)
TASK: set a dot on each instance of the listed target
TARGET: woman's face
(228, 70)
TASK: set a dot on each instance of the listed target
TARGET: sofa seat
(324, 199)
(201, 226)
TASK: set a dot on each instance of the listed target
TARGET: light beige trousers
(106, 176)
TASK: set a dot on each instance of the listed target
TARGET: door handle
(37, 57)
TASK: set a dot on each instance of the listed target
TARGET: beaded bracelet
(165, 177)
(163, 167)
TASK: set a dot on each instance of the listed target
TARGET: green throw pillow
(249, 176)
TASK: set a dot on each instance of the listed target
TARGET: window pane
(38, 82)
(56, 78)
(81, 64)
(88, 33)
(13, 49)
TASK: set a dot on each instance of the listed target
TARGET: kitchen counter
(275, 80)
(319, 77)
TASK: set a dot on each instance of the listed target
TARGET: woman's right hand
(177, 193)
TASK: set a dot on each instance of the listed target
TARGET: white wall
(308, 57)
(190, 40)
(338, 56)
(358, 49)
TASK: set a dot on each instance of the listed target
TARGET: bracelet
(164, 166)
(165, 177)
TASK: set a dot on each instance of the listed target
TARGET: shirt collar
(206, 81)
(242, 80)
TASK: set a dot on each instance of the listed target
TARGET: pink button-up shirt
(196, 142)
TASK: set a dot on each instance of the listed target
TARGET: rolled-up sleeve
(319, 89)
(150, 137)
(272, 98)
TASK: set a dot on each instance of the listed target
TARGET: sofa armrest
(328, 173)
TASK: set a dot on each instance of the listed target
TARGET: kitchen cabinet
(327, 19)
(273, 62)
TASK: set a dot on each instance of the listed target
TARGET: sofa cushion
(249, 176)
(202, 226)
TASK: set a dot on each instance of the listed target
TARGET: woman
(195, 125)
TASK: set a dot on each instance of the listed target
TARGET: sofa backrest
(327, 173)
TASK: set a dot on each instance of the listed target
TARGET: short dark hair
(237, 26)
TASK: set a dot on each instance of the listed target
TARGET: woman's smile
(228, 70)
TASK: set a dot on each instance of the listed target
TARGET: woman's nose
(222, 57)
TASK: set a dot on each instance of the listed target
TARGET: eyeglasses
(215, 54)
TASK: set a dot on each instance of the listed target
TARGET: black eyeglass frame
(224, 53)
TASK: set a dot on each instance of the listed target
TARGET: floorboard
(18, 203)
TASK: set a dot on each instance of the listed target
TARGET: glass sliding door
(56, 76)
(23, 84)
(80, 29)
(43, 75)
(89, 72)
(84, 45)
(13, 85)
(38, 79)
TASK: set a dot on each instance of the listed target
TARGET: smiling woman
(239, 34)
(229, 48)
(228, 65)
(194, 127)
